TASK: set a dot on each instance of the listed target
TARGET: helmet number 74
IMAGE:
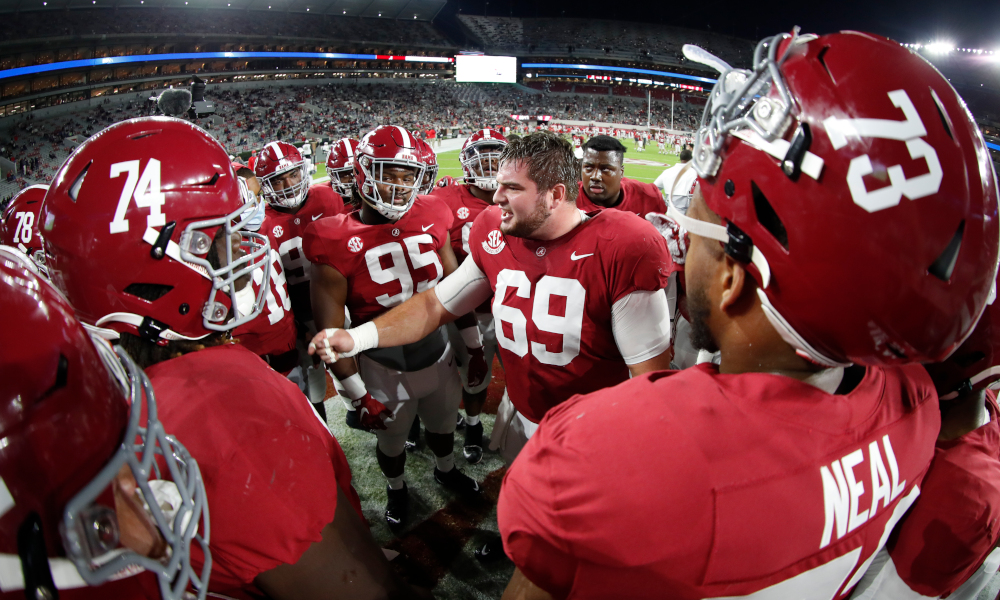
(145, 189)
(911, 130)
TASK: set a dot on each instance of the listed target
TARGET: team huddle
(821, 427)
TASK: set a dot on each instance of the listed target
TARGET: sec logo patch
(355, 244)
(494, 243)
(463, 213)
(278, 231)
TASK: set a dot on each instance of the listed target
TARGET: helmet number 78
(145, 189)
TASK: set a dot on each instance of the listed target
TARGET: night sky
(967, 23)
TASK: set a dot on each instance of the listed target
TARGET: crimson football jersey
(284, 230)
(637, 197)
(552, 301)
(955, 523)
(270, 466)
(466, 208)
(718, 486)
(273, 331)
(384, 264)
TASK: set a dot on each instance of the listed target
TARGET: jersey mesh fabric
(284, 231)
(565, 346)
(955, 523)
(717, 490)
(270, 467)
(384, 264)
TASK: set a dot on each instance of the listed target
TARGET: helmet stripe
(277, 150)
(406, 137)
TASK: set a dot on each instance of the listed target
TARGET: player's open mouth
(505, 215)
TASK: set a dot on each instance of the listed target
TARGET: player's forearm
(344, 368)
(412, 320)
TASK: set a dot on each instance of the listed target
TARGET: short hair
(606, 143)
(549, 158)
(685, 155)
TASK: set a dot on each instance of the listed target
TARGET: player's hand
(677, 238)
(478, 369)
(332, 344)
(372, 412)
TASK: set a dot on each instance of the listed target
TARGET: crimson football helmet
(73, 411)
(130, 225)
(854, 184)
(276, 160)
(19, 224)
(429, 158)
(480, 158)
(340, 162)
(386, 147)
(976, 363)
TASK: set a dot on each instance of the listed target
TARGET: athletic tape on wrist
(354, 387)
(365, 338)
(471, 337)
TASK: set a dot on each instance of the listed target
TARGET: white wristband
(365, 338)
(471, 337)
(354, 387)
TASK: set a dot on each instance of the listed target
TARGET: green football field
(449, 164)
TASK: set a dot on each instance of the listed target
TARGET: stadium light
(940, 47)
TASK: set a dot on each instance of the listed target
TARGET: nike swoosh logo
(575, 256)
(317, 216)
(428, 227)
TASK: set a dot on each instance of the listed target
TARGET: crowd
(705, 396)
(247, 119)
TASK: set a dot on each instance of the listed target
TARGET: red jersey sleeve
(640, 256)
(955, 523)
(487, 221)
(554, 519)
(443, 219)
(318, 241)
(330, 203)
(271, 468)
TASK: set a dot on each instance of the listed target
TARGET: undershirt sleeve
(465, 289)
(640, 322)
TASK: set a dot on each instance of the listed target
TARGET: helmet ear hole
(74, 190)
(943, 114)
(767, 217)
(945, 263)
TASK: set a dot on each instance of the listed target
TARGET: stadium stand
(647, 41)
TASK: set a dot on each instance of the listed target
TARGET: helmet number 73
(911, 130)
(145, 189)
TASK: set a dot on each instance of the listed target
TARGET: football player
(292, 204)
(148, 246)
(946, 545)
(480, 160)
(429, 159)
(19, 224)
(78, 463)
(603, 184)
(370, 261)
(271, 335)
(578, 304)
(781, 472)
(340, 168)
